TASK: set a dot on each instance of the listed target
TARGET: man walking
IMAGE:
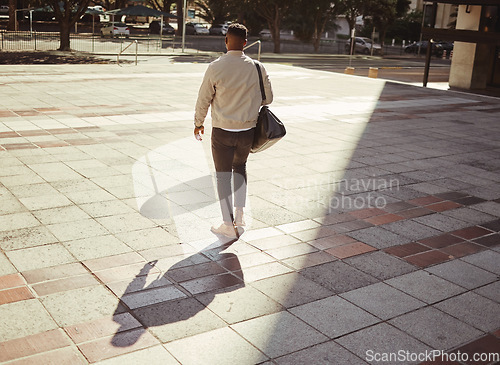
(231, 87)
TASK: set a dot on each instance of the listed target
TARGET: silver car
(363, 45)
(115, 29)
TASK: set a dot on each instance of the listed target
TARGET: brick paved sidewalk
(372, 228)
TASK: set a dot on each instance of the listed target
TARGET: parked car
(154, 28)
(196, 28)
(219, 29)
(437, 49)
(363, 45)
(115, 29)
(4, 9)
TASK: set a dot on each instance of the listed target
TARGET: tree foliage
(310, 19)
(216, 11)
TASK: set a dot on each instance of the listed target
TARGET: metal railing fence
(84, 42)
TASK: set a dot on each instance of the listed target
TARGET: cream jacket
(231, 87)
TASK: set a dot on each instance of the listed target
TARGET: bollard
(444, 55)
(349, 70)
(451, 54)
(373, 72)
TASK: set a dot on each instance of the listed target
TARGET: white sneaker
(225, 230)
(238, 218)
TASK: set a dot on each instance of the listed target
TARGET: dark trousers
(230, 152)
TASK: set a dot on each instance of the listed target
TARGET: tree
(12, 15)
(216, 11)
(67, 12)
(309, 19)
(383, 13)
(273, 11)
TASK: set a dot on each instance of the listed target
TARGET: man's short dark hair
(238, 30)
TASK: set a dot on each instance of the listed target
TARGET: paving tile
(60, 285)
(125, 222)
(406, 249)
(350, 250)
(96, 247)
(322, 354)
(69, 213)
(24, 318)
(378, 237)
(121, 273)
(25, 238)
(428, 258)
(463, 274)
(462, 249)
(435, 328)
(274, 242)
(113, 261)
(122, 342)
(11, 281)
(45, 202)
(471, 232)
(172, 320)
(488, 241)
(312, 259)
(240, 304)
(443, 206)
(6, 267)
(492, 225)
(442, 222)
(485, 313)
(70, 231)
(66, 355)
(384, 219)
(209, 283)
(102, 327)
(10, 222)
(338, 277)
(487, 260)
(470, 215)
(380, 265)
(80, 305)
(334, 316)
(485, 345)
(441, 241)
(331, 241)
(15, 295)
(291, 289)
(40, 257)
(148, 238)
(425, 286)
(469, 200)
(260, 272)
(315, 233)
(206, 346)
(412, 230)
(33, 344)
(382, 300)
(425, 200)
(414, 213)
(366, 213)
(491, 291)
(489, 207)
(278, 334)
(298, 226)
(143, 298)
(381, 339)
(286, 252)
(156, 355)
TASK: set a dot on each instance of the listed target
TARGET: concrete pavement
(372, 229)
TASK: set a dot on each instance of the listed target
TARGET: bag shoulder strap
(261, 81)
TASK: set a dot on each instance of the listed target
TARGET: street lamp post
(184, 15)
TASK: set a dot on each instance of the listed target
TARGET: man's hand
(198, 131)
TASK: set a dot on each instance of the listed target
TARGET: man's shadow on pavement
(156, 315)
